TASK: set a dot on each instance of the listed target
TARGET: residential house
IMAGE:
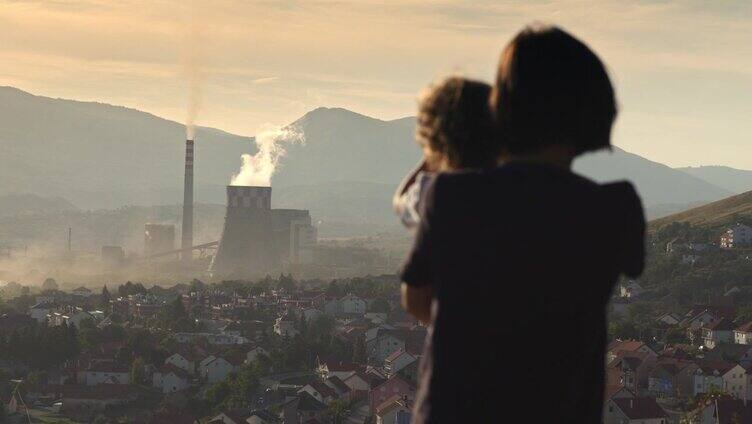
(302, 408)
(630, 369)
(104, 372)
(254, 353)
(40, 311)
(389, 388)
(285, 326)
(637, 410)
(327, 368)
(351, 304)
(218, 368)
(617, 346)
(717, 332)
(398, 360)
(230, 417)
(630, 290)
(320, 391)
(735, 382)
(739, 235)
(672, 378)
(359, 385)
(395, 410)
(82, 292)
(709, 376)
(340, 388)
(743, 334)
(669, 318)
(170, 379)
(184, 360)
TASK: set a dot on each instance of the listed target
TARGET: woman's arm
(417, 301)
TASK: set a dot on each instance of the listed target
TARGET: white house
(383, 345)
(320, 391)
(398, 360)
(218, 369)
(630, 290)
(254, 353)
(284, 326)
(184, 361)
(352, 304)
(358, 384)
(743, 334)
(170, 379)
(735, 382)
(106, 373)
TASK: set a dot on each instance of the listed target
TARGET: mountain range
(100, 156)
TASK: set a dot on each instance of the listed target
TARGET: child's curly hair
(454, 119)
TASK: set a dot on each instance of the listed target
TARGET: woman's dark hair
(455, 120)
(552, 89)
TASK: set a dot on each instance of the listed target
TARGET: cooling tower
(246, 248)
(186, 241)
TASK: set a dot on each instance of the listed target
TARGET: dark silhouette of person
(513, 266)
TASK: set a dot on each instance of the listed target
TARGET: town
(273, 351)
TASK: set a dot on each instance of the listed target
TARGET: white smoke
(258, 169)
(193, 70)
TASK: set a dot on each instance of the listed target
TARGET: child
(454, 132)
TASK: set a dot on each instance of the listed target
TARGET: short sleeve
(417, 269)
(631, 227)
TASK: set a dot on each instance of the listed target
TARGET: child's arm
(408, 181)
(406, 199)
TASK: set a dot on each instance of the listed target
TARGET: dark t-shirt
(523, 259)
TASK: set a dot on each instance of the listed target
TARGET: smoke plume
(258, 169)
(193, 70)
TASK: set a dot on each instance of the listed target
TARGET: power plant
(186, 240)
(257, 239)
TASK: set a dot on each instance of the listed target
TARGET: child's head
(455, 126)
(552, 91)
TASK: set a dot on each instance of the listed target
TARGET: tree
(137, 371)
(49, 284)
(176, 310)
(196, 286)
(104, 298)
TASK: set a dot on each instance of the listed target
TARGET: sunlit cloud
(272, 61)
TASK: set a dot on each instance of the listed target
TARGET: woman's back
(522, 259)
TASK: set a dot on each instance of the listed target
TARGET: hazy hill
(14, 204)
(714, 214)
(659, 185)
(102, 156)
(731, 179)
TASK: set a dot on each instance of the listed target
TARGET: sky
(682, 70)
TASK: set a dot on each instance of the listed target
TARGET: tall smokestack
(187, 236)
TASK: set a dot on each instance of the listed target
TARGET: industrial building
(158, 238)
(258, 240)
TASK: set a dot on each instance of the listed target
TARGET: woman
(514, 265)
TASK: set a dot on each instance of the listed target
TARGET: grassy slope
(713, 214)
